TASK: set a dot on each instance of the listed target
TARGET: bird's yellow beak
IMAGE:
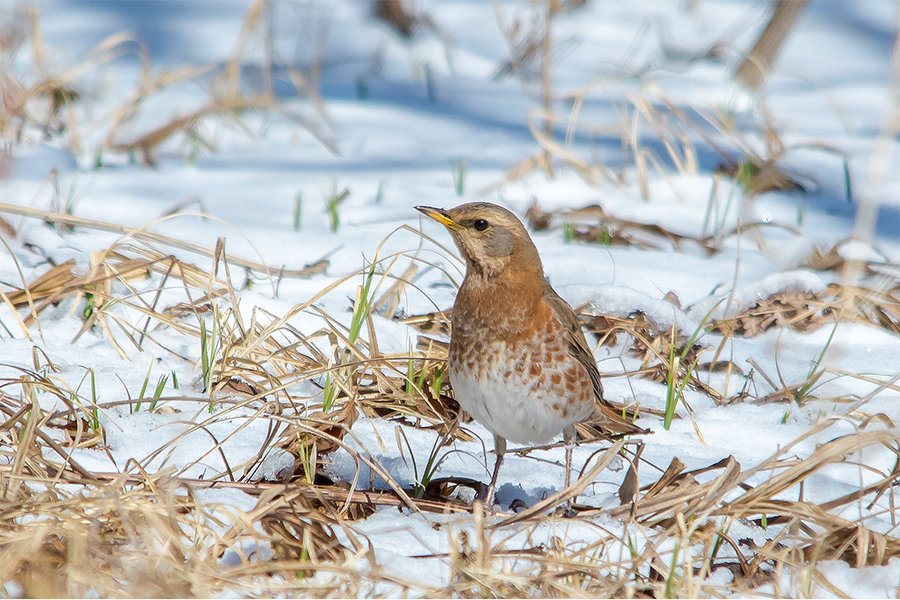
(440, 215)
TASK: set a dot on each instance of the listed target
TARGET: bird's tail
(614, 419)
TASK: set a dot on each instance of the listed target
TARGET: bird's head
(490, 238)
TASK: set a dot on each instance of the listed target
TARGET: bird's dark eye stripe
(480, 224)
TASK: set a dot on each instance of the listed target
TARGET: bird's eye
(480, 224)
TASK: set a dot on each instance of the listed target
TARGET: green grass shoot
(603, 236)
(362, 305)
(815, 371)
(308, 457)
(137, 406)
(333, 203)
(675, 381)
(95, 412)
(410, 376)
(160, 385)
(435, 458)
(669, 591)
(329, 393)
(458, 170)
(568, 231)
(430, 87)
(437, 383)
(298, 205)
(208, 350)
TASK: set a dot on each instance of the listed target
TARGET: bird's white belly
(510, 403)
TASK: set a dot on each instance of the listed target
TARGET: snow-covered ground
(393, 120)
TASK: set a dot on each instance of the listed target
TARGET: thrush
(519, 363)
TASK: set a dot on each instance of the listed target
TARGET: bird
(518, 361)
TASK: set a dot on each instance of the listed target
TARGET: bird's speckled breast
(513, 373)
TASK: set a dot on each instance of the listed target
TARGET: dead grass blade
(809, 311)
(141, 234)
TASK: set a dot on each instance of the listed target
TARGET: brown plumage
(519, 362)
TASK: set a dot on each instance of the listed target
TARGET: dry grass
(148, 530)
(46, 102)
(659, 137)
(68, 530)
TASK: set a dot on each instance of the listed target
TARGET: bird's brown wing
(580, 351)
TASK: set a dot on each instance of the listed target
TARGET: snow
(831, 88)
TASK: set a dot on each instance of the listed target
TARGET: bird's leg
(569, 435)
(499, 450)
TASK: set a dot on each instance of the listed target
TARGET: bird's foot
(487, 495)
(566, 510)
